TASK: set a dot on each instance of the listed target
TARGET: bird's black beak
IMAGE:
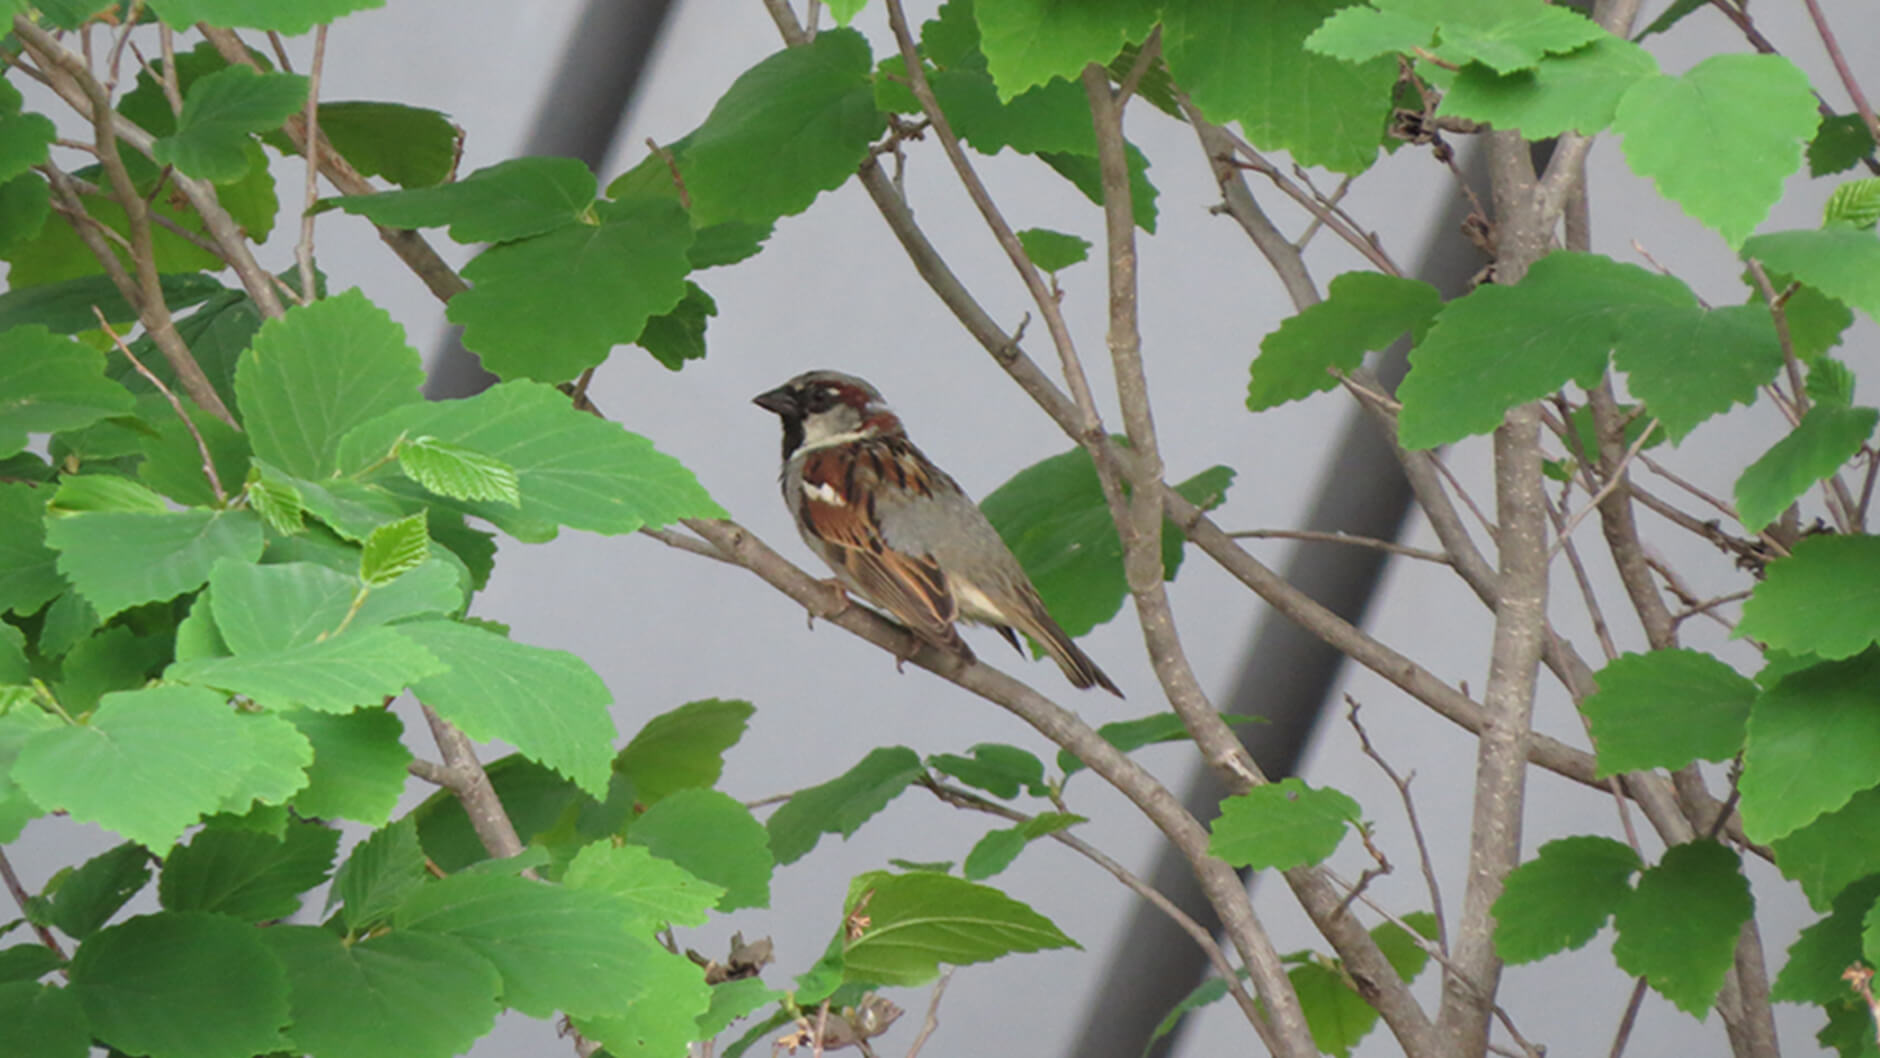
(780, 401)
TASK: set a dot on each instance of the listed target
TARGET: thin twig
(1628, 1019)
(20, 897)
(1841, 69)
(303, 250)
(1390, 546)
(1402, 783)
(202, 446)
(1613, 479)
(932, 1020)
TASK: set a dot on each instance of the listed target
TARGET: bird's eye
(823, 398)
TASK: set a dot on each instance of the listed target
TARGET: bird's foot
(838, 603)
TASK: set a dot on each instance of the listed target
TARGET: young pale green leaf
(408, 146)
(996, 851)
(220, 112)
(1826, 438)
(277, 503)
(996, 768)
(398, 995)
(1053, 251)
(1578, 90)
(358, 769)
(1028, 42)
(1823, 599)
(550, 307)
(515, 199)
(661, 1017)
(287, 18)
(660, 891)
(1826, 949)
(336, 675)
(1834, 851)
(317, 372)
(379, 874)
(1559, 899)
(1720, 139)
(1233, 59)
(843, 804)
(85, 898)
(1814, 742)
(678, 335)
(1829, 382)
(547, 703)
(917, 921)
(52, 383)
(247, 875)
(683, 748)
(393, 550)
(457, 472)
(1840, 261)
(29, 574)
(793, 126)
(1284, 824)
(1678, 928)
(557, 948)
(1839, 145)
(42, 1020)
(572, 468)
(1131, 735)
(1665, 709)
(1363, 312)
(147, 764)
(182, 985)
(715, 838)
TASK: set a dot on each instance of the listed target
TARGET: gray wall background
(833, 290)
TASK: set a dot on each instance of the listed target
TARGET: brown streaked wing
(911, 587)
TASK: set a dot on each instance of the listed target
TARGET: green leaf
(1839, 145)
(660, 891)
(553, 306)
(1208, 992)
(51, 384)
(220, 112)
(290, 19)
(457, 472)
(1855, 203)
(1081, 170)
(557, 948)
(1364, 312)
(1506, 35)
(25, 203)
(1823, 599)
(998, 769)
(182, 985)
(1825, 439)
(1833, 852)
(1028, 42)
(1829, 382)
(511, 200)
(43, 1021)
(1840, 261)
(917, 921)
(843, 804)
(1504, 345)
(23, 142)
(397, 995)
(571, 468)
(20, 721)
(996, 851)
(1665, 709)
(65, 307)
(1053, 251)
(661, 1017)
(1559, 899)
(683, 748)
(103, 492)
(337, 675)
(408, 146)
(358, 769)
(795, 125)
(732, 1000)
(379, 874)
(247, 875)
(547, 703)
(28, 572)
(28, 962)
(1814, 742)
(316, 373)
(1284, 824)
(120, 559)
(1678, 928)
(266, 609)
(85, 898)
(1246, 62)
(393, 550)
(1131, 735)
(715, 838)
(112, 659)
(1577, 91)
(1054, 117)
(678, 335)
(1826, 949)
(1720, 139)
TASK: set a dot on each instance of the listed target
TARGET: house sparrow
(897, 530)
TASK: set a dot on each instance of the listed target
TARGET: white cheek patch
(824, 493)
